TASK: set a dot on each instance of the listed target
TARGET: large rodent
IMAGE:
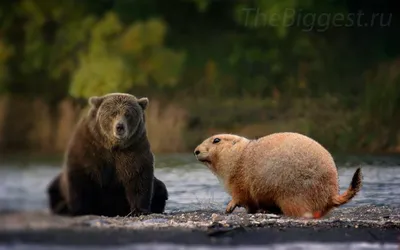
(108, 165)
(284, 173)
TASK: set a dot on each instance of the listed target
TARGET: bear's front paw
(138, 212)
(144, 212)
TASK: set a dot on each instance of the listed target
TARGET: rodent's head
(118, 116)
(219, 150)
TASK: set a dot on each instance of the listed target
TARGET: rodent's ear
(95, 101)
(143, 102)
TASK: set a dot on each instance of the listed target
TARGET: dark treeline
(330, 69)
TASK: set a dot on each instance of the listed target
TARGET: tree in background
(119, 58)
(313, 67)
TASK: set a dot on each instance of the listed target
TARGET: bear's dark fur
(58, 204)
(108, 166)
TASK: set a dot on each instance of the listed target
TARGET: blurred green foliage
(118, 59)
(281, 50)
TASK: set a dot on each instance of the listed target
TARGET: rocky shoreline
(364, 223)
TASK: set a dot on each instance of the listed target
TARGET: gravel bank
(364, 223)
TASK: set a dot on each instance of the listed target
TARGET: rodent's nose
(197, 152)
(120, 128)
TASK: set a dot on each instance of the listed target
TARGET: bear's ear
(95, 101)
(143, 102)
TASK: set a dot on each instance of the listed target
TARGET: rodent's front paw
(231, 206)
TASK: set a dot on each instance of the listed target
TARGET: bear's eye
(216, 140)
(130, 114)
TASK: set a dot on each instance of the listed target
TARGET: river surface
(192, 186)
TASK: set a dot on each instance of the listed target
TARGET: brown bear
(284, 173)
(108, 165)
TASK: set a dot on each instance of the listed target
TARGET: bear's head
(118, 117)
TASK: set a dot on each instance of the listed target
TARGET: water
(191, 185)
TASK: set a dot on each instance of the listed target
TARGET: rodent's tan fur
(286, 173)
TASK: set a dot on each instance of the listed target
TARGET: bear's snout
(120, 130)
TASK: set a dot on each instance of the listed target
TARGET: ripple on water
(191, 186)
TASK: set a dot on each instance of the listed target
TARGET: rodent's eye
(216, 140)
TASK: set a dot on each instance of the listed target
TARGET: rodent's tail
(353, 189)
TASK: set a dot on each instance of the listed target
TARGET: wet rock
(97, 223)
(216, 217)
(234, 219)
